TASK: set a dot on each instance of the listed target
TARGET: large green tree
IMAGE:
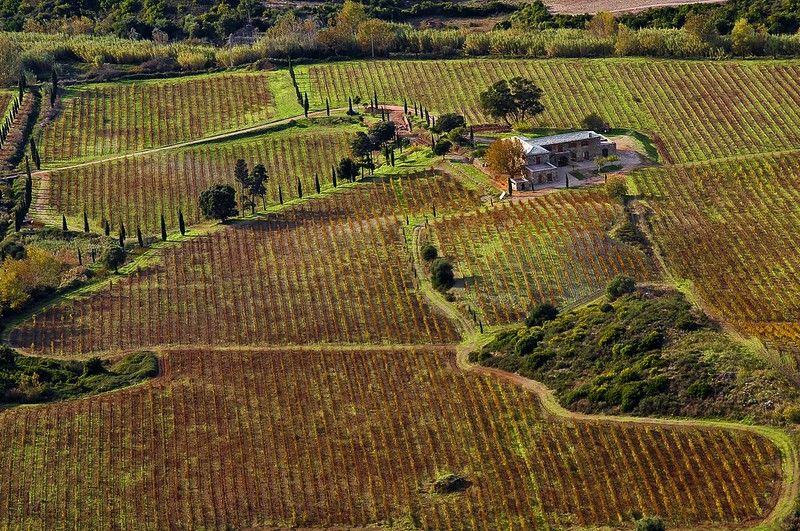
(218, 202)
(512, 101)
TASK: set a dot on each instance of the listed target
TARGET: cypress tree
(299, 188)
(85, 221)
(54, 93)
(21, 84)
(509, 187)
(350, 105)
(80, 258)
(375, 97)
(181, 224)
(19, 218)
(64, 223)
(392, 155)
(280, 194)
(94, 254)
(35, 154)
(122, 234)
(163, 229)
(106, 227)
(139, 236)
(480, 324)
(333, 174)
(28, 184)
(405, 106)
(316, 183)
(327, 107)
(566, 176)
(305, 104)
(434, 210)
(416, 113)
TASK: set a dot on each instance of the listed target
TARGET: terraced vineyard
(116, 118)
(138, 189)
(334, 270)
(731, 228)
(319, 438)
(553, 248)
(697, 110)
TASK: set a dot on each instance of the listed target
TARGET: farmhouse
(547, 158)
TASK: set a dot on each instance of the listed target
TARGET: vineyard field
(733, 229)
(336, 269)
(12, 147)
(695, 110)
(138, 189)
(321, 438)
(116, 118)
(579, 7)
(6, 97)
(553, 248)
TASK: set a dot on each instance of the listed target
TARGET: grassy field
(730, 228)
(696, 110)
(319, 438)
(138, 189)
(329, 270)
(116, 118)
(553, 248)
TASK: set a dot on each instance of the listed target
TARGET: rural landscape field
(271, 265)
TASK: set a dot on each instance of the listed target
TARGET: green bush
(113, 257)
(619, 286)
(429, 252)
(442, 275)
(540, 314)
(650, 523)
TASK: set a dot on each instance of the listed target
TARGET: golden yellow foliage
(506, 157)
(20, 278)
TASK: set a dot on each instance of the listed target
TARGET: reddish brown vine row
(731, 228)
(329, 270)
(138, 189)
(323, 438)
(117, 118)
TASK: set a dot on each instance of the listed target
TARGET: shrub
(650, 523)
(617, 187)
(93, 366)
(442, 274)
(448, 122)
(700, 389)
(429, 252)
(442, 147)
(540, 314)
(189, 60)
(619, 286)
(594, 122)
(792, 414)
(527, 343)
(113, 257)
(450, 483)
